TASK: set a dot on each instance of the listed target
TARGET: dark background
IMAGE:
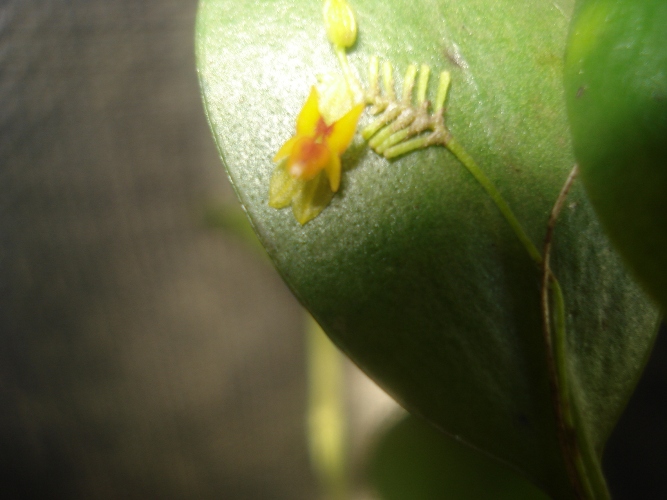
(142, 353)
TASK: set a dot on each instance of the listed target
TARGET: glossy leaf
(411, 269)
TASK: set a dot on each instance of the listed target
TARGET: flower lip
(308, 158)
(322, 129)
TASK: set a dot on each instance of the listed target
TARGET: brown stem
(566, 433)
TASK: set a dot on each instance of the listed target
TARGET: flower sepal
(308, 198)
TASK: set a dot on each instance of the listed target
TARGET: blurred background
(147, 350)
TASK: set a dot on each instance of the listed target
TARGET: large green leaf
(616, 81)
(412, 270)
(413, 461)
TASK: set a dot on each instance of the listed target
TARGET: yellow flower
(308, 171)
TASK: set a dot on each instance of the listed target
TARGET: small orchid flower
(309, 167)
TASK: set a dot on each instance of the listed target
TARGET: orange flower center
(322, 130)
(311, 154)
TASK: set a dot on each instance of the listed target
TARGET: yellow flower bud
(340, 22)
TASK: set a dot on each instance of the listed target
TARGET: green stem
(406, 147)
(581, 461)
(353, 84)
(326, 413)
(586, 466)
(569, 435)
(468, 162)
(580, 458)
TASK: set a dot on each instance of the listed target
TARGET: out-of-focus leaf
(413, 461)
(616, 83)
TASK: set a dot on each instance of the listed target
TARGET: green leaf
(412, 461)
(616, 83)
(412, 270)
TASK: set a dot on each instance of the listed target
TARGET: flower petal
(343, 130)
(285, 150)
(312, 198)
(306, 123)
(283, 187)
(333, 172)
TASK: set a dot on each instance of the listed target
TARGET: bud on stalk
(340, 22)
